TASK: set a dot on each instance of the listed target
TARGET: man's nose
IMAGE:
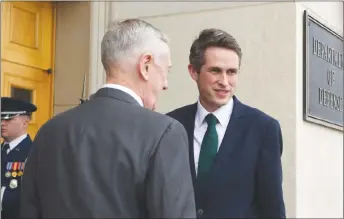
(165, 87)
(224, 80)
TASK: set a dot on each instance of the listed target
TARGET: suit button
(200, 212)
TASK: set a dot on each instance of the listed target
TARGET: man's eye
(215, 70)
(232, 72)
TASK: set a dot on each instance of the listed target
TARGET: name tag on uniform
(13, 184)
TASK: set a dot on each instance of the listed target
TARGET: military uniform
(13, 158)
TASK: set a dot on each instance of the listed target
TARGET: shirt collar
(14, 143)
(222, 114)
(126, 90)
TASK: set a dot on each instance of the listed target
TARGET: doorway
(27, 56)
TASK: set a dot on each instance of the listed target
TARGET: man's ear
(26, 120)
(193, 73)
(145, 64)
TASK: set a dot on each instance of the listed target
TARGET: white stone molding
(100, 15)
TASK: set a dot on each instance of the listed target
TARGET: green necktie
(208, 148)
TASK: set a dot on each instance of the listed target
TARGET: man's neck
(125, 77)
(10, 139)
(126, 84)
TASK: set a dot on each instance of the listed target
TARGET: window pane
(21, 94)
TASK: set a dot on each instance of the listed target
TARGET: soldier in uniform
(15, 117)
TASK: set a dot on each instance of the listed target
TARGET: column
(100, 16)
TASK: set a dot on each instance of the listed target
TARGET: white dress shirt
(14, 143)
(222, 114)
(126, 90)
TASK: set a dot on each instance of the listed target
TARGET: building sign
(323, 74)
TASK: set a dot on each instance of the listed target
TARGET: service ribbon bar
(9, 166)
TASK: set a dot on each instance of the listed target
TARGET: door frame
(53, 50)
(53, 41)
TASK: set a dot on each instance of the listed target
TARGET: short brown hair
(211, 38)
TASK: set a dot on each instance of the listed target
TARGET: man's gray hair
(129, 39)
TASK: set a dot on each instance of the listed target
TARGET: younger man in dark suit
(234, 149)
(14, 151)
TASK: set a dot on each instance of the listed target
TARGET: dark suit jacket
(109, 158)
(13, 162)
(246, 177)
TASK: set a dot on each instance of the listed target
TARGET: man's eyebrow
(233, 69)
(219, 68)
(214, 68)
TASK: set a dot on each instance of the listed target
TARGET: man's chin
(222, 102)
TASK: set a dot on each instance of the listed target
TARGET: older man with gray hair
(113, 157)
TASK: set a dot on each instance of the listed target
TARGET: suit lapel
(189, 124)
(233, 134)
